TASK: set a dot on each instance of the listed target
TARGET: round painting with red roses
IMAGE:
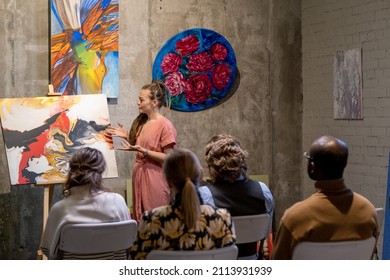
(198, 67)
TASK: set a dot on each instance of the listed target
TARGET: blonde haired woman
(232, 189)
(184, 224)
(152, 136)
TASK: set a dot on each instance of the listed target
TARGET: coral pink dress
(150, 189)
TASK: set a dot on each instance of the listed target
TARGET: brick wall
(330, 26)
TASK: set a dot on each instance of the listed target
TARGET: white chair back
(380, 212)
(224, 253)
(87, 240)
(251, 228)
(338, 250)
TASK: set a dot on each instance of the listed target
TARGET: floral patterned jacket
(163, 228)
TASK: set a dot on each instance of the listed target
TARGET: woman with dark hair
(152, 136)
(185, 224)
(86, 199)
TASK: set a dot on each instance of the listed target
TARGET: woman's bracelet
(146, 153)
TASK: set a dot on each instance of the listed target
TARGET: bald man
(334, 212)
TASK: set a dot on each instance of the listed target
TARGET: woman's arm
(157, 156)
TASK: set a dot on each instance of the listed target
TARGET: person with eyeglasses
(334, 212)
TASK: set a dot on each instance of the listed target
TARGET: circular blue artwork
(198, 67)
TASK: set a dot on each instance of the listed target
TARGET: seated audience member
(334, 212)
(185, 224)
(232, 189)
(86, 199)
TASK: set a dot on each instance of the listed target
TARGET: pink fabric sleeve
(168, 134)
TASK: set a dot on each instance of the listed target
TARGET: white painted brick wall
(330, 26)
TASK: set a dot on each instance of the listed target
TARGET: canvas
(347, 85)
(41, 133)
(198, 67)
(84, 47)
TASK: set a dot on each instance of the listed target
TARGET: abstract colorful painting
(84, 47)
(40, 134)
(198, 67)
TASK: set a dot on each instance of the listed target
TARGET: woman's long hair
(86, 168)
(136, 126)
(157, 91)
(182, 171)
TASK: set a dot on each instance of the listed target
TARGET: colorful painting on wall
(198, 67)
(347, 85)
(84, 47)
(40, 134)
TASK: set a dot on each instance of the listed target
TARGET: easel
(48, 190)
(51, 91)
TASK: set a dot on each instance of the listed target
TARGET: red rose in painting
(187, 45)
(170, 63)
(176, 83)
(200, 62)
(198, 88)
(221, 75)
(218, 52)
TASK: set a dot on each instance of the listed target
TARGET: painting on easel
(40, 134)
(84, 47)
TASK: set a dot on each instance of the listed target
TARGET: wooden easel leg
(47, 199)
(46, 204)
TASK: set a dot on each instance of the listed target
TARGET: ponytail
(190, 204)
(183, 171)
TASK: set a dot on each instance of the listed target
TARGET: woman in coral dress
(152, 136)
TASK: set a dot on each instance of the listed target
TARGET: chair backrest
(251, 228)
(96, 238)
(224, 253)
(129, 194)
(262, 178)
(338, 250)
(380, 212)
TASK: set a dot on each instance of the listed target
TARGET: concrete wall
(265, 112)
(330, 26)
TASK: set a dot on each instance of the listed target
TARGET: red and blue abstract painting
(84, 47)
(41, 133)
